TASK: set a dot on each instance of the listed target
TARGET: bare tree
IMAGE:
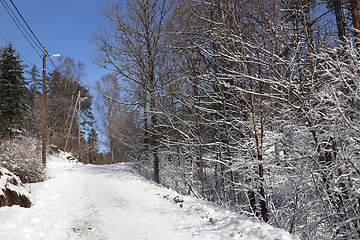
(109, 92)
(130, 45)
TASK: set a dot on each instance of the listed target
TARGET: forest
(251, 104)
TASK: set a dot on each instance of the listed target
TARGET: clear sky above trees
(63, 27)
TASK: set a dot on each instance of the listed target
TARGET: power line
(31, 36)
(26, 24)
(17, 22)
(47, 53)
(4, 39)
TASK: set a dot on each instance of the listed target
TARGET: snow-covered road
(114, 202)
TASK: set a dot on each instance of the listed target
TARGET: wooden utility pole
(79, 126)
(78, 100)
(72, 119)
(44, 104)
(44, 108)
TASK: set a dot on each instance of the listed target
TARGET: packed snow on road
(113, 202)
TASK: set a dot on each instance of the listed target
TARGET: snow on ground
(114, 202)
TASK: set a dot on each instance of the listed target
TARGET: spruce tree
(35, 83)
(93, 146)
(13, 92)
(35, 101)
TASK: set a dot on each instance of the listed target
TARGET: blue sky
(63, 27)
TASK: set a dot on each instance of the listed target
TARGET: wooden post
(79, 126)
(44, 108)
(72, 119)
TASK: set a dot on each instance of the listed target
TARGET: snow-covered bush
(22, 156)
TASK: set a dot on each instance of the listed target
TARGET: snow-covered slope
(114, 202)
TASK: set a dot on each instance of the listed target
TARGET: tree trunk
(260, 158)
(339, 20)
(356, 22)
(228, 147)
(154, 135)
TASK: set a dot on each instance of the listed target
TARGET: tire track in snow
(86, 223)
(118, 202)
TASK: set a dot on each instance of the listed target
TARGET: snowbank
(210, 221)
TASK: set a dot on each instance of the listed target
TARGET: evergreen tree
(92, 150)
(35, 101)
(13, 91)
(34, 83)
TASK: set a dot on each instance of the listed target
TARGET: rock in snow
(114, 202)
(12, 190)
